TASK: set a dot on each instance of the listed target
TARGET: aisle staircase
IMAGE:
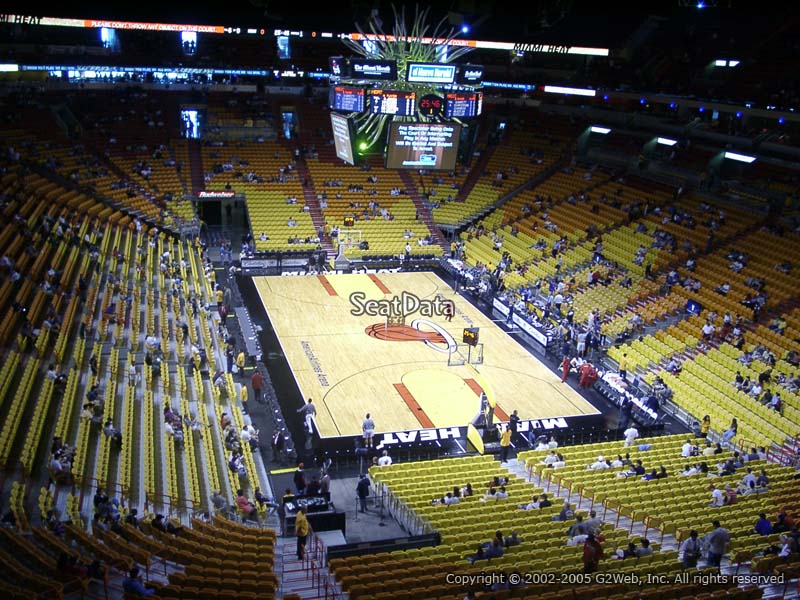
(196, 166)
(475, 172)
(422, 211)
(307, 579)
(310, 198)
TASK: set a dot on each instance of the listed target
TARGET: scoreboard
(392, 102)
(470, 336)
(462, 104)
(347, 98)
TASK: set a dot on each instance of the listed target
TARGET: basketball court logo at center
(419, 330)
(400, 306)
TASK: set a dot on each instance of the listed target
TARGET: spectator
(731, 431)
(362, 489)
(578, 527)
(717, 542)
(300, 479)
(115, 434)
(495, 549)
(705, 426)
(749, 479)
(165, 525)
(593, 524)
(600, 463)
(132, 518)
(100, 500)
(692, 550)
(385, 460)
(630, 435)
(717, 496)
(257, 383)
(249, 510)
(533, 504)
(645, 549)
(512, 540)
(218, 501)
(628, 552)
(686, 449)
(480, 554)
(550, 458)
(449, 499)
(651, 476)
(325, 483)
(505, 443)
(763, 526)
(277, 445)
(636, 471)
(592, 554)
(566, 513)
(312, 489)
(301, 529)
(133, 585)
(780, 525)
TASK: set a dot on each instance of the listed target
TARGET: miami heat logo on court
(419, 330)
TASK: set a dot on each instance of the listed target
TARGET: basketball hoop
(350, 238)
(463, 354)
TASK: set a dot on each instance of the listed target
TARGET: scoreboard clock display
(431, 105)
(471, 336)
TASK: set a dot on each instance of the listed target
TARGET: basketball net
(352, 238)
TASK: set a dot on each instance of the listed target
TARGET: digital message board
(432, 146)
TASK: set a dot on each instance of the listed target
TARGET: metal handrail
(116, 488)
(173, 502)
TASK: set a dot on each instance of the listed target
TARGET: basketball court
(409, 371)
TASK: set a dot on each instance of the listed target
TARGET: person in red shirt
(448, 311)
(248, 508)
(592, 554)
(257, 381)
(564, 369)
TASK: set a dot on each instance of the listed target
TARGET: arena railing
(170, 503)
(111, 489)
(409, 520)
(322, 580)
(785, 455)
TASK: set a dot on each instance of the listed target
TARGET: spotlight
(738, 114)
(642, 100)
(672, 105)
(605, 96)
(465, 28)
(701, 4)
(362, 146)
(781, 120)
(702, 109)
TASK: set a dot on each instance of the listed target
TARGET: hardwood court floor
(341, 361)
